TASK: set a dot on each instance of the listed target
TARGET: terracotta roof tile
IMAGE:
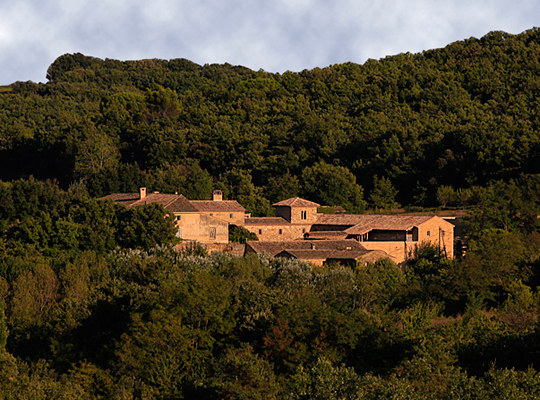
(306, 254)
(338, 255)
(217, 206)
(274, 248)
(172, 202)
(181, 204)
(326, 235)
(160, 198)
(122, 198)
(296, 202)
(362, 223)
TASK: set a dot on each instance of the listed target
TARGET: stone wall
(279, 233)
(438, 232)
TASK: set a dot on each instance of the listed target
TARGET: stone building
(396, 235)
(318, 252)
(203, 221)
(294, 218)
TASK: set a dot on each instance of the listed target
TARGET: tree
(333, 186)
(239, 234)
(383, 194)
(145, 226)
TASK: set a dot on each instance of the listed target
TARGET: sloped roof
(217, 206)
(306, 254)
(267, 221)
(181, 204)
(296, 202)
(171, 202)
(274, 248)
(363, 223)
(326, 235)
(122, 198)
(364, 255)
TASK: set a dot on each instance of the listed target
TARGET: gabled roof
(181, 204)
(217, 206)
(296, 202)
(365, 255)
(122, 198)
(325, 235)
(175, 203)
(274, 248)
(363, 223)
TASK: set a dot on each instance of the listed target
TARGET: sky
(273, 35)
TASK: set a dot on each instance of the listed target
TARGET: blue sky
(273, 35)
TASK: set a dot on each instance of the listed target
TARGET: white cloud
(275, 35)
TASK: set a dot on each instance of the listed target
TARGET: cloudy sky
(273, 35)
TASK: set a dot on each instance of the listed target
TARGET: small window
(212, 233)
(178, 217)
(304, 230)
(428, 233)
(280, 231)
(303, 214)
(260, 231)
(230, 216)
(211, 214)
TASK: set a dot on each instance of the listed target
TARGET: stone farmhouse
(204, 221)
(299, 231)
(347, 252)
(396, 235)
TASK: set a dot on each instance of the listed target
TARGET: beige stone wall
(237, 218)
(438, 232)
(272, 232)
(400, 251)
(188, 225)
(199, 227)
(294, 214)
(213, 230)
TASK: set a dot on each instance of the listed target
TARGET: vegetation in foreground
(95, 306)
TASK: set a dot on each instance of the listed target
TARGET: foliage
(95, 303)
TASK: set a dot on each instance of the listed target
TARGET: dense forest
(95, 303)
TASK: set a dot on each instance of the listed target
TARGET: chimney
(217, 195)
(142, 193)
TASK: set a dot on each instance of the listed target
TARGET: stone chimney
(142, 193)
(217, 195)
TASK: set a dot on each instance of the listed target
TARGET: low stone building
(396, 235)
(319, 252)
(294, 217)
(203, 221)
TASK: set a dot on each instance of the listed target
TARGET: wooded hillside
(403, 126)
(96, 304)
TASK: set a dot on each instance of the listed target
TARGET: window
(230, 215)
(260, 231)
(280, 231)
(304, 230)
(303, 214)
(178, 217)
(428, 233)
(211, 214)
(212, 233)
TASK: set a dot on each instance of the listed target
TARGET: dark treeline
(389, 131)
(94, 303)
